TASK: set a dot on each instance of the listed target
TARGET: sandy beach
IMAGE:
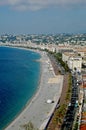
(38, 111)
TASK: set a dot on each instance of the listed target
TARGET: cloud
(40, 4)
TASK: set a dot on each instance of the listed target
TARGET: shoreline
(39, 97)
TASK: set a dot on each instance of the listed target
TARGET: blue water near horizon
(19, 79)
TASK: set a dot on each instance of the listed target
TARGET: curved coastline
(37, 104)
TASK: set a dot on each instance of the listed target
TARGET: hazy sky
(42, 16)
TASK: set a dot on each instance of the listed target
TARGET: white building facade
(75, 63)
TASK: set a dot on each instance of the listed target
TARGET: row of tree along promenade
(60, 67)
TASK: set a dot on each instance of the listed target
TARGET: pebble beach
(38, 111)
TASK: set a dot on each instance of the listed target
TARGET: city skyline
(42, 17)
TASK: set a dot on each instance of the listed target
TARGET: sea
(19, 79)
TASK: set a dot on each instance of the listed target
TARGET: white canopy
(49, 101)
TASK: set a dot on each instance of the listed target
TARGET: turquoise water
(19, 78)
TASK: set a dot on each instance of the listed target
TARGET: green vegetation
(68, 94)
(76, 126)
(29, 126)
(59, 114)
(58, 57)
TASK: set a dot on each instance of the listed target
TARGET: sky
(42, 16)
